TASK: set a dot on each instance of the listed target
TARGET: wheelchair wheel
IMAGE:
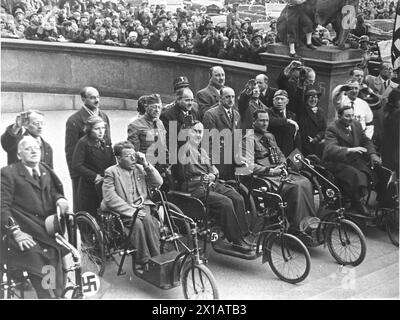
(180, 227)
(288, 257)
(346, 242)
(92, 245)
(392, 225)
(198, 283)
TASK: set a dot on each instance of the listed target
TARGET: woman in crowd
(91, 157)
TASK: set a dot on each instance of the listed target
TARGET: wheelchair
(11, 288)
(386, 208)
(180, 261)
(287, 256)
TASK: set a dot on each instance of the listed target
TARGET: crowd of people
(271, 122)
(146, 26)
(378, 9)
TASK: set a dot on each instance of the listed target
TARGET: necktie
(35, 175)
(386, 84)
(155, 131)
(229, 113)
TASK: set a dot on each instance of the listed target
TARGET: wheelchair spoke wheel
(346, 243)
(92, 247)
(288, 257)
(198, 283)
(180, 227)
(392, 225)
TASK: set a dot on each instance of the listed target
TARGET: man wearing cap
(312, 124)
(256, 48)
(19, 16)
(266, 91)
(264, 157)
(347, 154)
(30, 192)
(178, 83)
(210, 95)
(75, 129)
(180, 113)
(283, 124)
(347, 94)
(147, 133)
(29, 123)
(225, 119)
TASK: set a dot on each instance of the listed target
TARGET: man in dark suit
(30, 192)
(347, 154)
(210, 95)
(28, 123)
(266, 92)
(179, 113)
(178, 83)
(249, 101)
(74, 129)
(283, 125)
(225, 119)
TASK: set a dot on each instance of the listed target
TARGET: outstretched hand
(24, 240)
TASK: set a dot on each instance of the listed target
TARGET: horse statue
(340, 13)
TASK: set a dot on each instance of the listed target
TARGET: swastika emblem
(90, 284)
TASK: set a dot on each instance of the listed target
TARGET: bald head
(90, 97)
(262, 81)
(217, 77)
(228, 97)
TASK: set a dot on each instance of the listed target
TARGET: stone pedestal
(331, 65)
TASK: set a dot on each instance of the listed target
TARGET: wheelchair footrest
(226, 248)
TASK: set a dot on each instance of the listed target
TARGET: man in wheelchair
(348, 153)
(264, 158)
(126, 181)
(30, 193)
(200, 178)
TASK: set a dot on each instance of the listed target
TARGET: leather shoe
(311, 46)
(240, 245)
(294, 55)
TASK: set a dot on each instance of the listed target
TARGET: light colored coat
(116, 195)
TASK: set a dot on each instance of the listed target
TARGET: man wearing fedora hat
(179, 83)
(30, 192)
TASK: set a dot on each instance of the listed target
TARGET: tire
(392, 225)
(344, 236)
(180, 226)
(198, 282)
(281, 247)
(92, 245)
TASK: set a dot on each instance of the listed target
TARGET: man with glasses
(31, 192)
(124, 183)
(29, 123)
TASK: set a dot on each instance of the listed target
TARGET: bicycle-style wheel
(346, 242)
(179, 227)
(288, 257)
(392, 225)
(92, 246)
(198, 283)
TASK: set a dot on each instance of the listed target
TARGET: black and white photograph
(227, 151)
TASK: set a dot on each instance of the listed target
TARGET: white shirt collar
(30, 170)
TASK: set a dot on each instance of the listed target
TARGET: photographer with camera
(212, 42)
(296, 79)
(27, 123)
